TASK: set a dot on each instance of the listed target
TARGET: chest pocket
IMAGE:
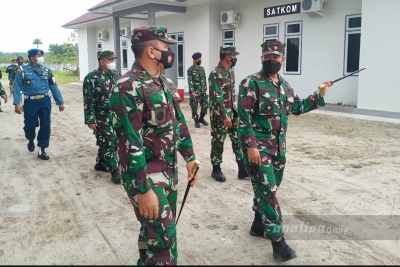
(101, 86)
(157, 109)
(268, 102)
(289, 99)
(28, 78)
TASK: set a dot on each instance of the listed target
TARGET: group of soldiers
(16, 66)
(140, 128)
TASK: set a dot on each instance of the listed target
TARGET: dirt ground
(63, 212)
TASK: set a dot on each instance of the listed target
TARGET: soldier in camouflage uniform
(3, 93)
(12, 70)
(265, 102)
(151, 129)
(97, 87)
(223, 113)
(198, 90)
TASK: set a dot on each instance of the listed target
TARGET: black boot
(257, 228)
(282, 251)
(31, 146)
(202, 121)
(243, 174)
(217, 174)
(100, 167)
(115, 177)
(42, 154)
(196, 123)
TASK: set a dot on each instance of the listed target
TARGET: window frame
(294, 35)
(124, 47)
(231, 41)
(274, 37)
(347, 32)
(175, 36)
(101, 47)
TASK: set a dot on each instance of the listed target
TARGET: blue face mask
(40, 61)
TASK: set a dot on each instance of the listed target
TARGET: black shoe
(42, 154)
(196, 123)
(218, 176)
(31, 146)
(282, 251)
(100, 167)
(202, 121)
(243, 174)
(257, 228)
(115, 177)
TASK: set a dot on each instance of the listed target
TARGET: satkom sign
(282, 10)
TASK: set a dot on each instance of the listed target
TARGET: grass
(62, 77)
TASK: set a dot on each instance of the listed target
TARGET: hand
(254, 156)
(193, 94)
(190, 167)
(18, 109)
(228, 123)
(5, 98)
(61, 107)
(148, 205)
(325, 89)
(92, 126)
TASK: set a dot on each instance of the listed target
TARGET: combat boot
(282, 251)
(243, 174)
(31, 146)
(115, 177)
(42, 154)
(202, 121)
(196, 123)
(100, 167)
(217, 174)
(257, 228)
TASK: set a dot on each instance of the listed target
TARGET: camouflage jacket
(11, 70)
(2, 92)
(222, 93)
(151, 129)
(197, 80)
(264, 109)
(97, 87)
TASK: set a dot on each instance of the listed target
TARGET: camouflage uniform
(222, 106)
(264, 107)
(2, 92)
(198, 84)
(151, 129)
(97, 87)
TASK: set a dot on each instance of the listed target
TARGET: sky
(25, 20)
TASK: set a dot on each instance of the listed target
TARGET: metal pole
(117, 43)
(151, 16)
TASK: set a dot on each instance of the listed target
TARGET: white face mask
(15, 64)
(40, 61)
(111, 66)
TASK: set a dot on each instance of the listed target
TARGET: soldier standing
(265, 102)
(97, 87)
(198, 90)
(151, 129)
(37, 84)
(12, 70)
(3, 93)
(223, 114)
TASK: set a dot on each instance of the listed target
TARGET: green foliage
(37, 42)
(65, 77)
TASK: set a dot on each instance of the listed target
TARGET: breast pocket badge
(160, 116)
(28, 82)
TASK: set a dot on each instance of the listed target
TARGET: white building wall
(87, 56)
(322, 45)
(378, 86)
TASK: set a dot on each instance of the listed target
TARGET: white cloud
(25, 20)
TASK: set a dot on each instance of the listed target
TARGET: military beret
(273, 47)
(107, 54)
(19, 58)
(149, 33)
(196, 55)
(35, 51)
(229, 50)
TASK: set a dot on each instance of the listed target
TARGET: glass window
(228, 37)
(124, 58)
(180, 37)
(271, 32)
(99, 47)
(352, 44)
(180, 61)
(293, 50)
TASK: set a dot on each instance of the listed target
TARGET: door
(172, 73)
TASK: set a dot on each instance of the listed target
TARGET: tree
(37, 42)
(73, 41)
(56, 49)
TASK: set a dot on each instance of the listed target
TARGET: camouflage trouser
(157, 238)
(11, 83)
(202, 100)
(107, 142)
(218, 133)
(266, 180)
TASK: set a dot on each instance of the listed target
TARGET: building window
(180, 42)
(124, 55)
(352, 44)
(293, 38)
(228, 37)
(271, 32)
(99, 47)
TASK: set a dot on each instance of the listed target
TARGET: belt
(36, 97)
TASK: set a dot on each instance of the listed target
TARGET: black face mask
(233, 60)
(198, 62)
(167, 58)
(271, 66)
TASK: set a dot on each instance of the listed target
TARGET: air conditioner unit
(103, 35)
(229, 17)
(125, 32)
(312, 6)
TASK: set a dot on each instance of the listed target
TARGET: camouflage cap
(229, 50)
(149, 33)
(273, 47)
(107, 54)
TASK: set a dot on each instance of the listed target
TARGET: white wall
(322, 45)
(378, 85)
(87, 38)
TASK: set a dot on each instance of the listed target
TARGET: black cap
(196, 55)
